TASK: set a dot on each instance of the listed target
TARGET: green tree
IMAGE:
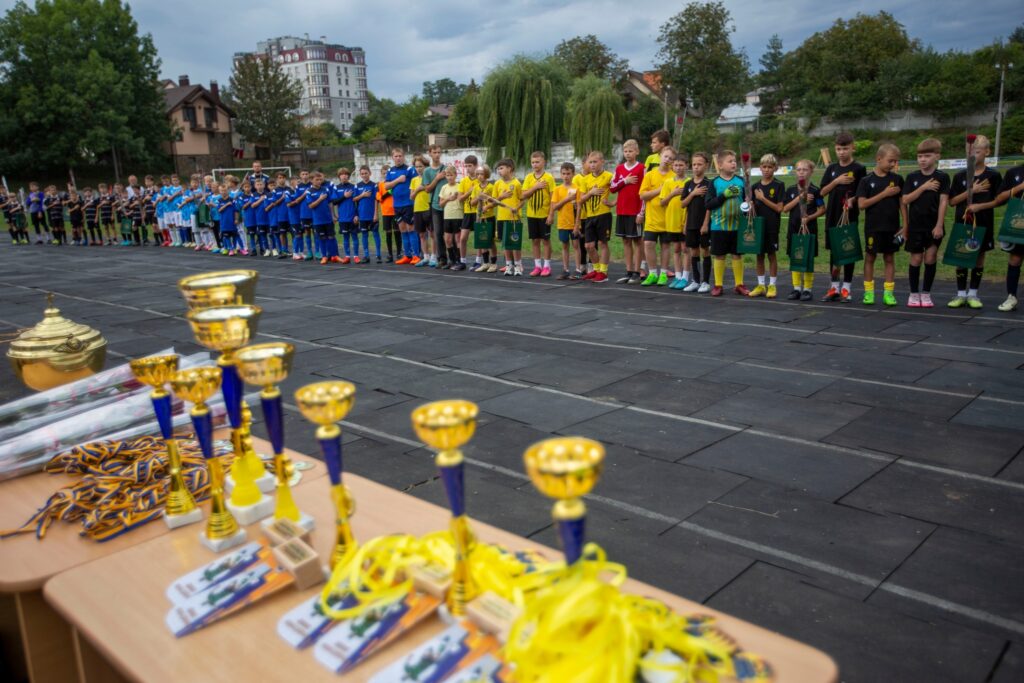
(443, 91)
(595, 113)
(323, 134)
(584, 55)
(1017, 36)
(464, 123)
(522, 107)
(378, 112)
(407, 125)
(79, 85)
(699, 61)
(266, 102)
(770, 77)
(646, 116)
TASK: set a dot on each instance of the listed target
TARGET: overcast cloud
(408, 43)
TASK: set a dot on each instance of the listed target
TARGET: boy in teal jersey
(724, 199)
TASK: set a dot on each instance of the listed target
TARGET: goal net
(219, 173)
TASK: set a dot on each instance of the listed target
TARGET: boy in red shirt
(626, 185)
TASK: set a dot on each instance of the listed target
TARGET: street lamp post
(999, 111)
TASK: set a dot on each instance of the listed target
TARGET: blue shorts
(403, 214)
(564, 236)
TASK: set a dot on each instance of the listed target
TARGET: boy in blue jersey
(258, 204)
(281, 220)
(292, 202)
(398, 179)
(343, 196)
(160, 201)
(723, 200)
(249, 198)
(305, 215)
(366, 212)
(174, 194)
(227, 210)
(270, 205)
(318, 199)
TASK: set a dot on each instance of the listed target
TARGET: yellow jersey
(655, 213)
(595, 205)
(675, 212)
(501, 187)
(466, 185)
(653, 161)
(539, 202)
(566, 216)
(422, 200)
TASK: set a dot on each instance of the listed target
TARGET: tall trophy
(155, 371)
(324, 404)
(197, 385)
(267, 365)
(566, 468)
(227, 329)
(447, 425)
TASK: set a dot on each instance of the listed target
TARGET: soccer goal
(219, 173)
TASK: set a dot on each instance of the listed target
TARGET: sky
(408, 43)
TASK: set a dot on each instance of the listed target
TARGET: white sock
(972, 292)
(773, 280)
(686, 275)
(590, 267)
(760, 280)
(835, 285)
(961, 293)
(643, 265)
(547, 263)
(848, 286)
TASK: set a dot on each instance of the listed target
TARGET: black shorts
(695, 240)
(770, 240)
(150, 219)
(421, 220)
(597, 228)
(538, 228)
(452, 226)
(76, 222)
(389, 224)
(880, 242)
(324, 232)
(467, 222)
(724, 242)
(658, 237)
(137, 222)
(990, 241)
(403, 214)
(627, 227)
(347, 228)
(307, 223)
(920, 241)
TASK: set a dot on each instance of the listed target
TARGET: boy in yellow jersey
(597, 223)
(675, 219)
(654, 223)
(659, 140)
(507, 193)
(421, 210)
(537, 189)
(466, 186)
(486, 259)
(563, 205)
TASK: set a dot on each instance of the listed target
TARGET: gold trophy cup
(155, 371)
(221, 288)
(267, 365)
(446, 426)
(325, 404)
(196, 386)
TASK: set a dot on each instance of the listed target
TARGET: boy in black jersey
(76, 214)
(926, 195)
(92, 227)
(803, 224)
(840, 184)
(106, 206)
(1013, 186)
(885, 221)
(986, 189)
(698, 240)
(54, 207)
(14, 213)
(768, 205)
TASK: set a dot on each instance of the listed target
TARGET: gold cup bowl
(155, 371)
(196, 385)
(325, 403)
(225, 328)
(220, 288)
(445, 425)
(265, 364)
(565, 467)
(56, 351)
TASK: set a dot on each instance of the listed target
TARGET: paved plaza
(851, 477)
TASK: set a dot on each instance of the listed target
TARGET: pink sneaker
(244, 252)
(535, 272)
(926, 300)
(296, 257)
(914, 301)
(546, 271)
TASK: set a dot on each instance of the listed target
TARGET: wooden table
(118, 604)
(27, 563)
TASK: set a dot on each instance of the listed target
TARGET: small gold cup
(197, 385)
(157, 371)
(446, 426)
(220, 288)
(325, 404)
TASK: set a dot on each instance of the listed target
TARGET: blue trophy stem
(331, 448)
(162, 408)
(273, 414)
(203, 424)
(231, 387)
(453, 478)
(571, 532)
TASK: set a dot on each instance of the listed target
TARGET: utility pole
(999, 111)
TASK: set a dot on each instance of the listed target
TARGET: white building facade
(333, 77)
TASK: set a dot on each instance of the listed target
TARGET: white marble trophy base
(267, 483)
(247, 514)
(175, 521)
(219, 544)
(305, 521)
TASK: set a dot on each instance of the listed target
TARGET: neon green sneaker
(652, 278)
(974, 302)
(888, 298)
(662, 280)
(956, 302)
(869, 299)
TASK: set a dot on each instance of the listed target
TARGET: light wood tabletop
(118, 604)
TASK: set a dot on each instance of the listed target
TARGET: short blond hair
(982, 141)
(808, 163)
(631, 143)
(725, 154)
(887, 148)
(769, 160)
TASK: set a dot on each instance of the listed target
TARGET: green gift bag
(512, 235)
(750, 239)
(483, 235)
(1012, 229)
(801, 253)
(964, 245)
(844, 241)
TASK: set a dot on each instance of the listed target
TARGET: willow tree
(596, 114)
(522, 107)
